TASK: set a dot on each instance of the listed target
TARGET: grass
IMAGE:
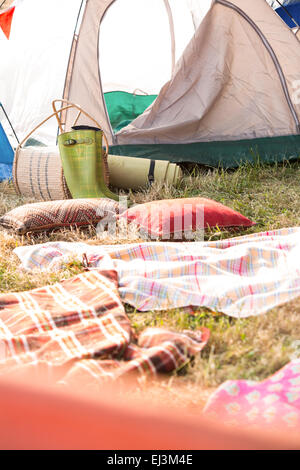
(250, 348)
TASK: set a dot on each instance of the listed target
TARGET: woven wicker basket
(38, 172)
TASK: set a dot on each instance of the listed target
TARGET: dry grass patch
(251, 348)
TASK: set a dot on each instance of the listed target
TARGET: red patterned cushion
(165, 218)
(50, 215)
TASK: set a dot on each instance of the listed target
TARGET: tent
(289, 10)
(6, 151)
(183, 80)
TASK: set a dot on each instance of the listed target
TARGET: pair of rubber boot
(85, 163)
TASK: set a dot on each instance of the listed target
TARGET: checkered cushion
(50, 215)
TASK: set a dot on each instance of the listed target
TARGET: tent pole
(71, 56)
(5, 114)
(172, 32)
(2, 3)
(72, 45)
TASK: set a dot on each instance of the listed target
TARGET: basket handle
(56, 113)
(81, 111)
(17, 152)
(36, 128)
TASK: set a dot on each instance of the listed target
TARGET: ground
(250, 348)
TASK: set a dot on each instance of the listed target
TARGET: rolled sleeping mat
(138, 173)
(38, 173)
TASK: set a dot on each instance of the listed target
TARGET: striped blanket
(77, 332)
(240, 277)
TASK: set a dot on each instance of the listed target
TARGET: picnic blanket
(273, 403)
(240, 277)
(77, 332)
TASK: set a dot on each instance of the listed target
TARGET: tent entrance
(123, 107)
(139, 44)
(135, 57)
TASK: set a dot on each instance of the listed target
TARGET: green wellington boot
(84, 163)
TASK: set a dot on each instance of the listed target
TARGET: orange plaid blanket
(77, 330)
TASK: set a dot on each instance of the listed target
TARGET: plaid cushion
(77, 332)
(50, 215)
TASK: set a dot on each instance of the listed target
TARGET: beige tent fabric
(226, 86)
(85, 86)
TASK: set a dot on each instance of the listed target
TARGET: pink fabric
(273, 403)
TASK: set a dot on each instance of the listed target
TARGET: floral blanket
(273, 403)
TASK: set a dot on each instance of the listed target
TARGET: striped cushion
(50, 215)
